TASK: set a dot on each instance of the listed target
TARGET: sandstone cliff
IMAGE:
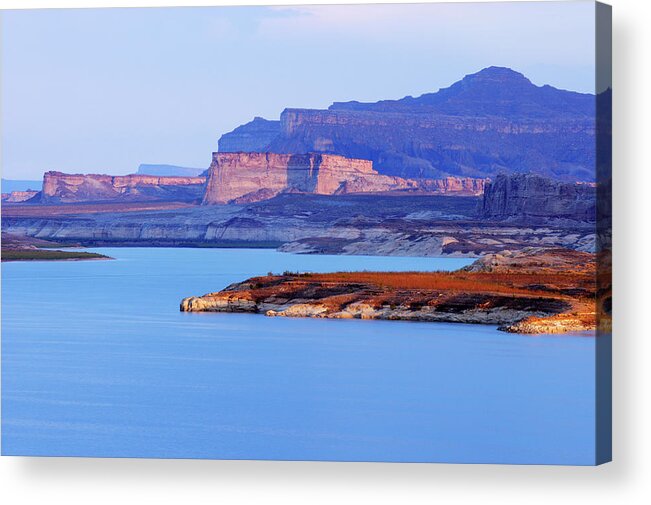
(531, 197)
(490, 122)
(19, 196)
(249, 177)
(252, 177)
(71, 188)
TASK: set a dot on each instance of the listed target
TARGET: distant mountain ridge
(169, 170)
(491, 122)
(251, 137)
(494, 91)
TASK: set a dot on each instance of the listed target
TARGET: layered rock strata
(490, 122)
(73, 188)
(359, 224)
(19, 196)
(249, 177)
(533, 198)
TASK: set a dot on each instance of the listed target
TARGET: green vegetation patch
(40, 254)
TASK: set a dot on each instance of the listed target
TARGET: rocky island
(530, 291)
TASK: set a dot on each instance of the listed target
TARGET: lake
(97, 360)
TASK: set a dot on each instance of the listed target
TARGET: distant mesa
(75, 188)
(240, 178)
(19, 196)
(494, 125)
(169, 170)
(491, 122)
(249, 177)
(259, 176)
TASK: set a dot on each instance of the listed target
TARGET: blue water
(98, 361)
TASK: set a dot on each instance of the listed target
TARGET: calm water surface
(97, 360)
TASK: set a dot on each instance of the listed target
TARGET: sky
(104, 90)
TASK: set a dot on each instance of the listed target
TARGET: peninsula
(530, 291)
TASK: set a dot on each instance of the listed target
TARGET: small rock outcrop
(532, 197)
(468, 186)
(19, 196)
(73, 188)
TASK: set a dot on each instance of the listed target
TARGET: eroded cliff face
(72, 188)
(415, 145)
(494, 121)
(19, 196)
(454, 185)
(250, 177)
(531, 197)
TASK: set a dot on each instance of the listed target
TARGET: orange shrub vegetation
(503, 283)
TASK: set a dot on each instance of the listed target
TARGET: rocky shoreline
(378, 225)
(534, 291)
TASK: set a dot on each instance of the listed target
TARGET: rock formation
(533, 198)
(367, 224)
(19, 196)
(249, 177)
(253, 136)
(72, 188)
(490, 122)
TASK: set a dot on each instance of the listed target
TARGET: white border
(626, 480)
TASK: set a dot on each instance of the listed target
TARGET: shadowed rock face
(72, 188)
(531, 197)
(494, 121)
(254, 136)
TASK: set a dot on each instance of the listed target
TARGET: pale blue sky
(103, 90)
